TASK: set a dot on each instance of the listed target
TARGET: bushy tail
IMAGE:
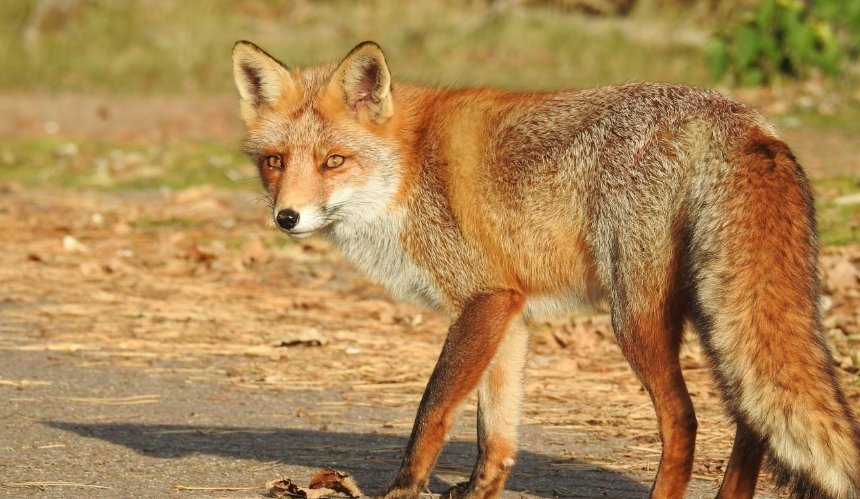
(753, 266)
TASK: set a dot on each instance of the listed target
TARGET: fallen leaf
(339, 481)
(286, 488)
(310, 337)
(280, 488)
(327, 482)
(842, 274)
(254, 252)
(199, 254)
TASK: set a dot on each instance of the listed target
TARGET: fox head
(319, 136)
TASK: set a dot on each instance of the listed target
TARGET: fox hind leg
(744, 465)
(650, 342)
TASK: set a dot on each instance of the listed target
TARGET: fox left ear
(363, 82)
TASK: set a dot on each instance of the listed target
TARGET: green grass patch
(278, 241)
(838, 209)
(166, 223)
(140, 46)
(50, 162)
(844, 120)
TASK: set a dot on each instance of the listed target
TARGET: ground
(151, 339)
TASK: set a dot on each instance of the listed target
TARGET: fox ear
(261, 79)
(363, 83)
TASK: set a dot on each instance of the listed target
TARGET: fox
(675, 206)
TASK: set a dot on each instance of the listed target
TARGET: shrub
(786, 38)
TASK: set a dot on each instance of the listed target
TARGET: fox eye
(274, 162)
(334, 161)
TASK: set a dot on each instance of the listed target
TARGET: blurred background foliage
(786, 38)
(141, 46)
(183, 46)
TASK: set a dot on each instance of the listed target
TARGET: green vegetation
(51, 162)
(136, 46)
(838, 208)
(171, 222)
(787, 38)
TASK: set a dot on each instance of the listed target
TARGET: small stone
(70, 243)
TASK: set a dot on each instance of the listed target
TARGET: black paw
(458, 491)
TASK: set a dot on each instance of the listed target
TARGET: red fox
(674, 204)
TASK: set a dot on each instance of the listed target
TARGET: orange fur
(744, 465)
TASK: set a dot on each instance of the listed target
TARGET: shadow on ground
(372, 458)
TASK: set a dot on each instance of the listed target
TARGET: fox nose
(287, 219)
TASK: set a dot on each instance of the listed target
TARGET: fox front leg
(499, 397)
(470, 347)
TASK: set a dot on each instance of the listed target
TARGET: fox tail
(753, 269)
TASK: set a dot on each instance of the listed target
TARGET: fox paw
(401, 493)
(458, 491)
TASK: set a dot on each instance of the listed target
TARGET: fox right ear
(261, 79)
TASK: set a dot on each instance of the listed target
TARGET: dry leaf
(310, 337)
(286, 488)
(199, 254)
(254, 252)
(842, 274)
(281, 488)
(339, 481)
(327, 482)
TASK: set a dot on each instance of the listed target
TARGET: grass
(139, 46)
(845, 120)
(170, 223)
(52, 162)
(838, 221)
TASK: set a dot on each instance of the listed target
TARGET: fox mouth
(300, 224)
(300, 234)
(303, 233)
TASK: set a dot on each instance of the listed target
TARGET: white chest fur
(374, 245)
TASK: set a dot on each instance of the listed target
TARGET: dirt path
(140, 435)
(149, 340)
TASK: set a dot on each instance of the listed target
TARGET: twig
(52, 484)
(224, 488)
